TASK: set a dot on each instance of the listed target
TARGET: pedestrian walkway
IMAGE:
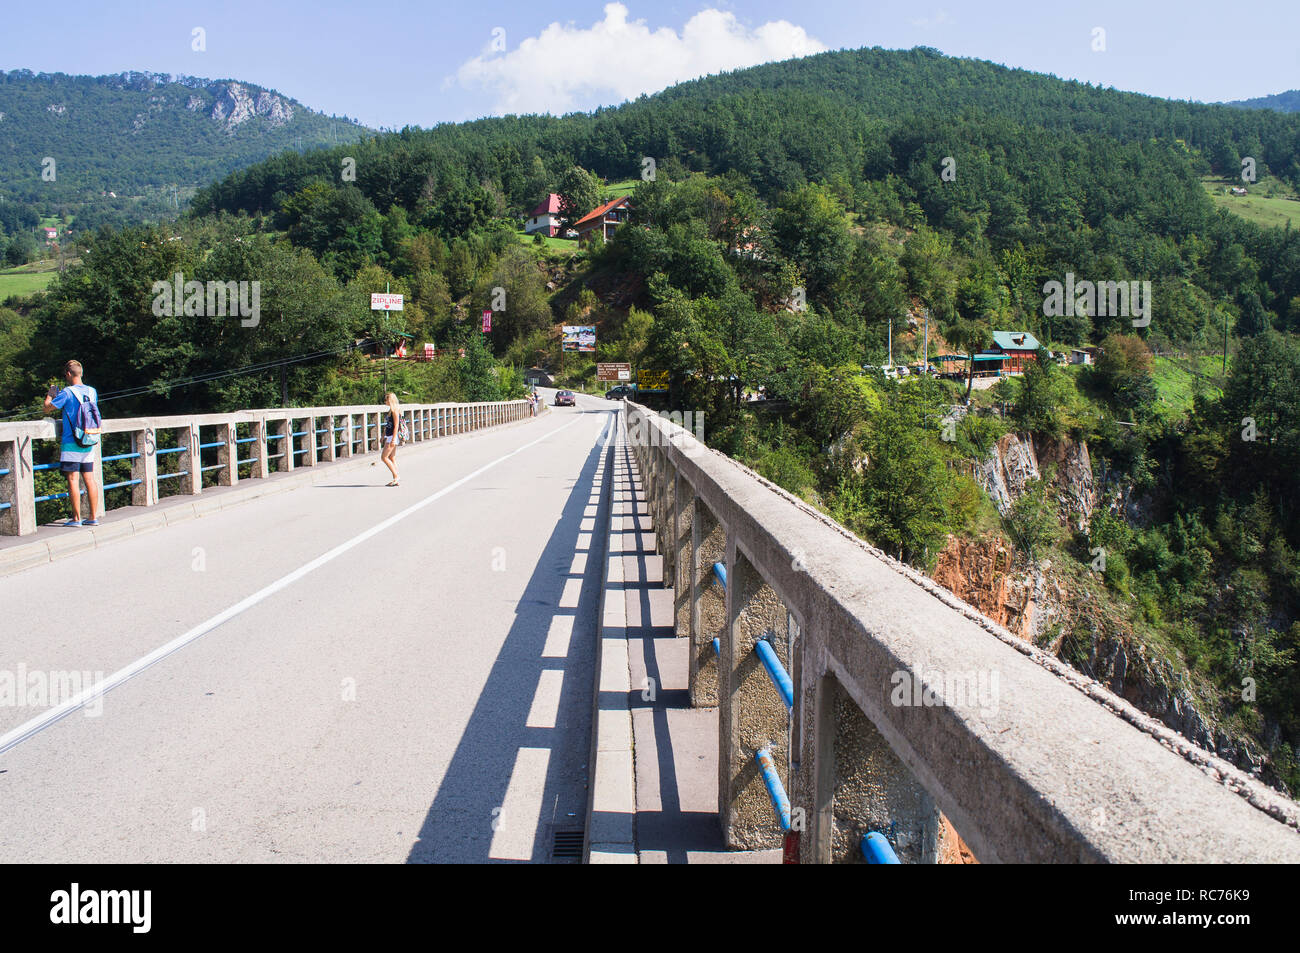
(675, 761)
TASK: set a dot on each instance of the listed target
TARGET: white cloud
(567, 67)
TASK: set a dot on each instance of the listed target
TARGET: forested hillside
(801, 223)
(151, 139)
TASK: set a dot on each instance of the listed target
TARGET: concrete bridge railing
(245, 445)
(904, 706)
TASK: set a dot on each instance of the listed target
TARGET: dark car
(621, 392)
(564, 398)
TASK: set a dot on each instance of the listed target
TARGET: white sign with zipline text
(382, 301)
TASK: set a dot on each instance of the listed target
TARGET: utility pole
(925, 360)
(890, 362)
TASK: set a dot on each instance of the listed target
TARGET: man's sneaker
(90, 522)
(68, 523)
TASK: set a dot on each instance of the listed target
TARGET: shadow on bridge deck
(487, 806)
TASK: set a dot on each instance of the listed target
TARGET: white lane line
(29, 728)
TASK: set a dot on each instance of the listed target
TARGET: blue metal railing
(775, 789)
(114, 486)
(208, 446)
(717, 647)
(163, 453)
(170, 476)
(776, 671)
(876, 849)
(119, 456)
(720, 571)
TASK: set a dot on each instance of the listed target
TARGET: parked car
(564, 398)
(621, 392)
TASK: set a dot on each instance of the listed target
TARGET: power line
(203, 378)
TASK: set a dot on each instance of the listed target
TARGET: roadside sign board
(487, 321)
(382, 301)
(579, 337)
(652, 380)
(614, 372)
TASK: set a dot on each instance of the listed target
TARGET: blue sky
(391, 63)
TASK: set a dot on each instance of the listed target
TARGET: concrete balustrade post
(308, 442)
(708, 605)
(683, 550)
(189, 462)
(261, 467)
(144, 468)
(283, 427)
(751, 712)
(851, 783)
(345, 449)
(17, 488)
(227, 455)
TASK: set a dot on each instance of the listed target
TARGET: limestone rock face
(1016, 460)
(235, 106)
(1011, 465)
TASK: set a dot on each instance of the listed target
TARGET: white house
(545, 218)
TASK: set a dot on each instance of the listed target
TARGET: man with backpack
(80, 434)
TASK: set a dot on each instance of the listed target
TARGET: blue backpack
(89, 423)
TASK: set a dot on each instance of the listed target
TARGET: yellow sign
(652, 380)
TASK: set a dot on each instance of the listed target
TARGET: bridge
(580, 635)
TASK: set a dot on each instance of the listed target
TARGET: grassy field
(1270, 202)
(28, 279)
(553, 244)
(617, 189)
(1179, 379)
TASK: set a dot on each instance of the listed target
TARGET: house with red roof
(545, 218)
(604, 219)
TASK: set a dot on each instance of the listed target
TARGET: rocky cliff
(1067, 610)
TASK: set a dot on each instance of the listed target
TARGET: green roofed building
(1019, 347)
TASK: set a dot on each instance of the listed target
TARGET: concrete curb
(611, 807)
(22, 556)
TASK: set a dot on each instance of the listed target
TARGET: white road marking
(38, 724)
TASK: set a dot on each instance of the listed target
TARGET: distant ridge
(1288, 102)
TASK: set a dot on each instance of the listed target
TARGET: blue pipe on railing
(717, 647)
(877, 850)
(720, 571)
(114, 486)
(775, 789)
(776, 671)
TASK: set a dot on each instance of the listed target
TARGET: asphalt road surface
(343, 672)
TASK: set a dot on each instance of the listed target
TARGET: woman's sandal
(393, 483)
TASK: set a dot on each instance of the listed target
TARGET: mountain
(854, 115)
(149, 138)
(1288, 102)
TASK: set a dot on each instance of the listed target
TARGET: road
(367, 674)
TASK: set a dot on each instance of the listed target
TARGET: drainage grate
(567, 844)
